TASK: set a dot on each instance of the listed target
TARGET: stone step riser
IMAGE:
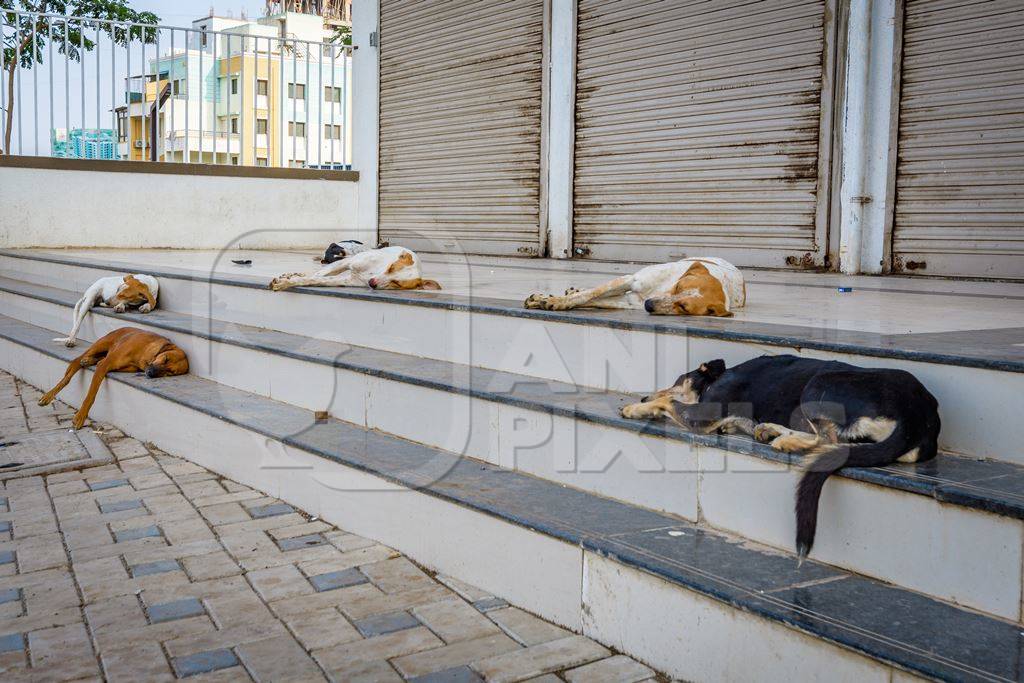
(903, 538)
(559, 581)
(977, 406)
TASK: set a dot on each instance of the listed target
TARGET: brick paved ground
(153, 568)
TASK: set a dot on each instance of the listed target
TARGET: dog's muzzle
(153, 371)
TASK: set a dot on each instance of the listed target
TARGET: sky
(35, 90)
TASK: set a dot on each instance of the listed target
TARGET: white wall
(64, 208)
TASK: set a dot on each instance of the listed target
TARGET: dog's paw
(571, 291)
(120, 308)
(145, 308)
(635, 411)
(79, 421)
(66, 341)
(766, 431)
(45, 400)
(539, 301)
(790, 443)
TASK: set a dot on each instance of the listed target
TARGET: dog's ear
(429, 284)
(713, 369)
(127, 278)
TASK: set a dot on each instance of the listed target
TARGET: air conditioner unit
(138, 144)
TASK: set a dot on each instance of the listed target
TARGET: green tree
(18, 48)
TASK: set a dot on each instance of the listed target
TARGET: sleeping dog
(692, 286)
(127, 349)
(840, 414)
(114, 292)
(344, 249)
(386, 268)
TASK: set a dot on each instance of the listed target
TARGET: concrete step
(620, 351)
(951, 528)
(672, 593)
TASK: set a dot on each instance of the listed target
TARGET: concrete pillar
(365, 114)
(868, 134)
(562, 119)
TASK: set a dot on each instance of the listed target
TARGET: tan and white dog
(386, 268)
(692, 286)
(115, 292)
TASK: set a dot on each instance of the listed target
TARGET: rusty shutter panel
(960, 170)
(460, 122)
(700, 130)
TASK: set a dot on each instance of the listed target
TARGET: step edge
(891, 477)
(471, 304)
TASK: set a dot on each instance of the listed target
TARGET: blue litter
(845, 289)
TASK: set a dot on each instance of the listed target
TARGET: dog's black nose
(152, 371)
(649, 305)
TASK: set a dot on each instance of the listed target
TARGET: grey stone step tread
(991, 486)
(899, 627)
(989, 349)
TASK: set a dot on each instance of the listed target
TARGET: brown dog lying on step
(127, 349)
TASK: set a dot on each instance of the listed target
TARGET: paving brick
(459, 674)
(357, 606)
(120, 506)
(115, 614)
(380, 624)
(145, 662)
(526, 628)
(540, 659)
(617, 669)
(278, 659)
(335, 580)
(396, 575)
(107, 484)
(66, 649)
(5, 526)
(455, 620)
(455, 655)
(345, 541)
(489, 604)
(158, 567)
(10, 595)
(322, 628)
(125, 449)
(225, 513)
(210, 566)
(177, 609)
(466, 591)
(11, 642)
(203, 662)
(285, 581)
(300, 542)
(7, 556)
(273, 510)
(151, 531)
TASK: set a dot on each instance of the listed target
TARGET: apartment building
(269, 92)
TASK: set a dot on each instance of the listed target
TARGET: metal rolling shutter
(960, 170)
(460, 122)
(700, 130)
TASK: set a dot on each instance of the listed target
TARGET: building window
(297, 129)
(234, 160)
(234, 86)
(202, 36)
(332, 94)
(261, 126)
(297, 91)
(332, 132)
(176, 86)
(234, 124)
(261, 87)
(261, 161)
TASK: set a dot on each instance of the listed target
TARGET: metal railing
(250, 94)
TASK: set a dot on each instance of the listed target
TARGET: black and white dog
(840, 414)
(340, 250)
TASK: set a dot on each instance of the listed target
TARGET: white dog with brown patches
(115, 292)
(387, 268)
(691, 286)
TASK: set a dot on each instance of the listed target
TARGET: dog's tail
(830, 458)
